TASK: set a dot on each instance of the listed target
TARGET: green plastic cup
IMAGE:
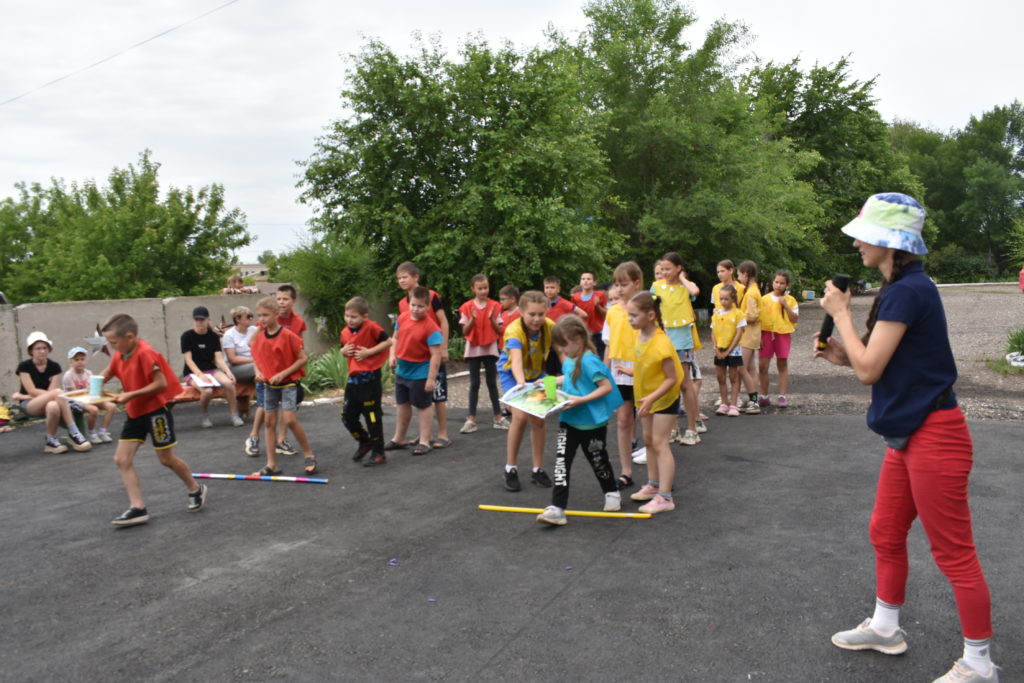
(551, 387)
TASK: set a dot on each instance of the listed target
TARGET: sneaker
(674, 436)
(512, 480)
(95, 438)
(552, 515)
(733, 411)
(237, 421)
(640, 456)
(689, 438)
(541, 478)
(205, 422)
(502, 423)
(285, 448)
(612, 501)
(131, 517)
(469, 427)
(80, 443)
(657, 504)
(722, 409)
(105, 436)
(865, 638)
(701, 427)
(964, 673)
(252, 446)
(54, 445)
(197, 499)
(751, 408)
(646, 492)
(702, 416)
(763, 401)
(375, 459)
(361, 451)
(782, 402)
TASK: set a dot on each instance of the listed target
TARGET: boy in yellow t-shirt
(779, 313)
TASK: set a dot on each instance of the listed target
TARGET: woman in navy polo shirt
(906, 358)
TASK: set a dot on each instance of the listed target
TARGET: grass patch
(1001, 366)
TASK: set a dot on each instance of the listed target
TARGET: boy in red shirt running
(147, 383)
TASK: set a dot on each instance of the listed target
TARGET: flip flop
(392, 446)
(267, 472)
(624, 482)
(420, 449)
(440, 443)
(311, 466)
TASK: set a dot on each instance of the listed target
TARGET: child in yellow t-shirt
(779, 313)
(727, 325)
(619, 354)
(726, 272)
(749, 303)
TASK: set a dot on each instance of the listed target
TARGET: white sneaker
(552, 515)
(964, 673)
(95, 438)
(237, 421)
(640, 456)
(701, 427)
(469, 427)
(689, 438)
(205, 422)
(612, 501)
(105, 436)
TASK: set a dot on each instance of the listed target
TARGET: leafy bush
(326, 371)
(953, 263)
(1015, 341)
(456, 347)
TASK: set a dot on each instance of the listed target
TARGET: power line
(118, 54)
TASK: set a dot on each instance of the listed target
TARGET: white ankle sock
(978, 655)
(886, 619)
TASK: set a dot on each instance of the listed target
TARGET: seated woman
(236, 344)
(204, 360)
(40, 394)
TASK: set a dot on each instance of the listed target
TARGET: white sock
(886, 619)
(978, 656)
(511, 468)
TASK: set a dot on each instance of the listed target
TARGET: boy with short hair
(77, 379)
(595, 303)
(287, 318)
(363, 342)
(508, 297)
(558, 307)
(408, 276)
(280, 362)
(147, 384)
(415, 357)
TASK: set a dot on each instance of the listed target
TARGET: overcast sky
(239, 96)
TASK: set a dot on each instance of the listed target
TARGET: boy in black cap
(204, 360)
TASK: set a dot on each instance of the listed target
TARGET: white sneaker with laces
(205, 422)
(612, 501)
(963, 673)
(866, 638)
(237, 421)
(689, 438)
(553, 515)
(640, 456)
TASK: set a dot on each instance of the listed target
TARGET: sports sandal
(267, 472)
(420, 449)
(624, 482)
(311, 466)
(394, 446)
(440, 443)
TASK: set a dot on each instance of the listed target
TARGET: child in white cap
(76, 379)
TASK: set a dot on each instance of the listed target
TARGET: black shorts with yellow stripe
(159, 424)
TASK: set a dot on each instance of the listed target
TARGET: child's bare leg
(625, 423)
(734, 377)
(175, 464)
(537, 441)
(763, 366)
(689, 399)
(403, 416)
(292, 422)
(108, 416)
(257, 422)
(124, 458)
(782, 365)
(653, 469)
(425, 417)
(516, 431)
(91, 412)
(747, 371)
(441, 408)
(661, 426)
(723, 385)
(270, 431)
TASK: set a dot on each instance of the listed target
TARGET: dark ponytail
(647, 302)
(900, 258)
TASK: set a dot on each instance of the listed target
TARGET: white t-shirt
(233, 339)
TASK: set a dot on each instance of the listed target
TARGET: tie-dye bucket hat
(891, 220)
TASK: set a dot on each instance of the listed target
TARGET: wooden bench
(243, 392)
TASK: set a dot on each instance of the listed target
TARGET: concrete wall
(161, 322)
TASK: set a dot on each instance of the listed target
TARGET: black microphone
(841, 282)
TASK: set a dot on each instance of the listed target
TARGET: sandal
(420, 449)
(267, 472)
(311, 466)
(625, 481)
(440, 443)
(393, 446)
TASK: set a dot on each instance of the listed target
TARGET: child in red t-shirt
(415, 357)
(280, 360)
(480, 318)
(147, 383)
(559, 306)
(364, 342)
(508, 297)
(595, 303)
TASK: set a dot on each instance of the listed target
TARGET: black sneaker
(361, 452)
(375, 459)
(541, 478)
(285, 448)
(131, 517)
(512, 480)
(197, 499)
(80, 443)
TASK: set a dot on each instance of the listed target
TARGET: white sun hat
(891, 220)
(37, 336)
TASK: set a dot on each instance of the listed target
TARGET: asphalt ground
(392, 573)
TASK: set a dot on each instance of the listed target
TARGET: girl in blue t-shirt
(584, 423)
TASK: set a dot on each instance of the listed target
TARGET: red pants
(929, 479)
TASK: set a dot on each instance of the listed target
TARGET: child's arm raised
(792, 313)
(668, 368)
(691, 286)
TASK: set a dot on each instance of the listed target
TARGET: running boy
(280, 362)
(76, 379)
(364, 342)
(147, 383)
(415, 357)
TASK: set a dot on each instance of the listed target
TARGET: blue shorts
(284, 396)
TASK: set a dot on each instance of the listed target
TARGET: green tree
(118, 241)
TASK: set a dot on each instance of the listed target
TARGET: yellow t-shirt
(750, 304)
(718, 288)
(773, 318)
(648, 374)
(534, 351)
(621, 335)
(724, 325)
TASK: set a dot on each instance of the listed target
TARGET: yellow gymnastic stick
(569, 513)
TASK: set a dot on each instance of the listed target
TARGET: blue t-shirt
(593, 413)
(922, 367)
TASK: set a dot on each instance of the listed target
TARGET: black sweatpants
(490, 364)
(362, 399)
(593, 443)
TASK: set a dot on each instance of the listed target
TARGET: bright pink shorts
(775, 344)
